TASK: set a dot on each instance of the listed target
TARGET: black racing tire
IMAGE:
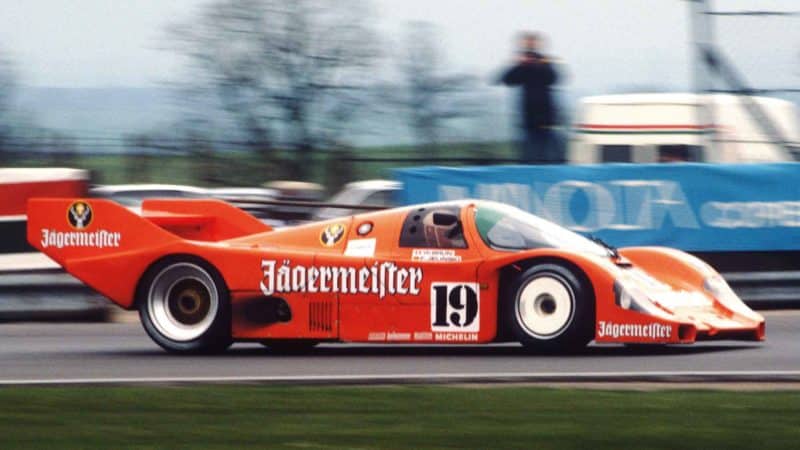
(184, 306)
(290, 346)
(550, 308)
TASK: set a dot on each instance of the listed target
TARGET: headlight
(722, 292)
(716, 286)
(634, 299)
(624, 298)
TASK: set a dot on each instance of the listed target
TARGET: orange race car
(204, 274)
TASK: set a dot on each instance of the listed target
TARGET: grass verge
(393, 417)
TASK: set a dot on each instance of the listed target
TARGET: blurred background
(260, 100)
(312, 90)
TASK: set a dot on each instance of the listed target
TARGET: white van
(645, 128)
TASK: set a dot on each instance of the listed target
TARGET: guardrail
(759, 288)
(302, 203)
(48, 294)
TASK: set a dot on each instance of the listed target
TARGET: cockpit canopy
(501, 227)
(506, 228)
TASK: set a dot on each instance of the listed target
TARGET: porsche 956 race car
(204, 274)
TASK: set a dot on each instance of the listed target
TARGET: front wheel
(551, 309)
(184, 306)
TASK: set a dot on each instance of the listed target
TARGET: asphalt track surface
(43, 353)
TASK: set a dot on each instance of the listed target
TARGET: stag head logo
(79, 215)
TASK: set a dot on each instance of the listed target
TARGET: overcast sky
(605, 44)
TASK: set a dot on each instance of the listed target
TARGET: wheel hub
(182, 302)
(545, 306)
(188, 301)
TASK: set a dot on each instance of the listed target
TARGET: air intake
(320, 316)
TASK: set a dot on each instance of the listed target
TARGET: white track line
(707, 376)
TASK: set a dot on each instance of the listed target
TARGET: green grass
(393, 417)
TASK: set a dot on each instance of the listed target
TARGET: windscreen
(507, 228)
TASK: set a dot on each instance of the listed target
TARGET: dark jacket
(535, 79)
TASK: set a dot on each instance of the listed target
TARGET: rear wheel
(551, 309)
(184, 306)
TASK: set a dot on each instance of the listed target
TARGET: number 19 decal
(455, 307)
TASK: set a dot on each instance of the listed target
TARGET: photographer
(535, 74)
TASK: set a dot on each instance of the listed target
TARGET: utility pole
(708, 63)
(702, 37)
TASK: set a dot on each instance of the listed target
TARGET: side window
(680, 153)
(616, 153)
(379, 198)
(437, 227)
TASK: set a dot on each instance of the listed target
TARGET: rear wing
(108, 246)
(67, 228)
(202, 220)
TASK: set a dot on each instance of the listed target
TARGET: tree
(432, 98)
(288, 75)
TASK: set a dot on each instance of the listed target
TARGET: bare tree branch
(284, 72)
(431, 98)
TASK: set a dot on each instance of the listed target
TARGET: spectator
(534, 73)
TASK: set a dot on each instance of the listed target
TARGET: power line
(754, 13)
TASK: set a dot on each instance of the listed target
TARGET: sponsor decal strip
(395, 336)
(360, 247)
(376, 336)
(455, 337)
(425, 336)
(434, 255)
(635, 330)
(379, 279)
(85, 239)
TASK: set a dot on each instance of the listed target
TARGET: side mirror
(444, 219)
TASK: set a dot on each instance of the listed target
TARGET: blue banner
(693, 207)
